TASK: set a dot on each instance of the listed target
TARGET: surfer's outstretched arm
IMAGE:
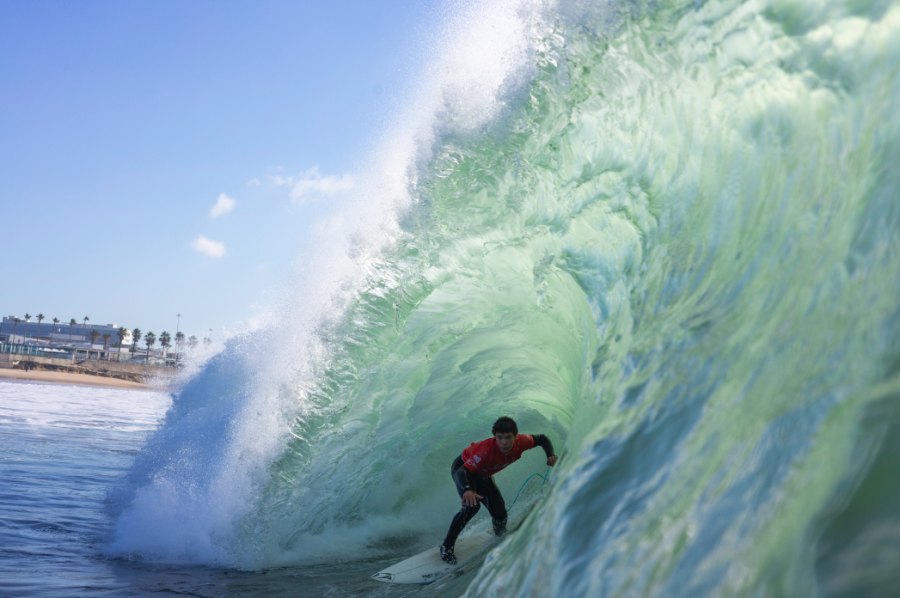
(544, 442)
(463, 483)
(460, 475)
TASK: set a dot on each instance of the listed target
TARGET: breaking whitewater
(666, 235)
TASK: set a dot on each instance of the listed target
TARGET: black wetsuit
(485, 486)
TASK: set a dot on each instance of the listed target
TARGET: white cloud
(208, 247)
(223, 205)
(311, 185)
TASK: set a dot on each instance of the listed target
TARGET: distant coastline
(84, 373)
(69, 378)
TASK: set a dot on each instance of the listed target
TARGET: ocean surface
(63, 451)
(666, 234)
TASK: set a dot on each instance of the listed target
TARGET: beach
(77, 379)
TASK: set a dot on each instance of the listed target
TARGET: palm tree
(106, 337)
(85, 321)
(149, 340)
(55, 324)
(121, 333)
(27, 317)
(72, 322)
(135, 337)
(192, 342)
(165, 340)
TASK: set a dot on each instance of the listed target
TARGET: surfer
(472, 473)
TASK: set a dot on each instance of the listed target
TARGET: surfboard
(427, 566)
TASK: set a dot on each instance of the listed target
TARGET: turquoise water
(664, 234)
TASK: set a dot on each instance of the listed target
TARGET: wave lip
(666, 236)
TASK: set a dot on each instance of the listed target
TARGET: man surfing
(473, 472)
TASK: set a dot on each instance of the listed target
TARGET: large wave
(663, 234)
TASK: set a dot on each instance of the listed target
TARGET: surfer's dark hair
(505, 425)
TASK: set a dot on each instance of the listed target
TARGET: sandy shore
(67, 378)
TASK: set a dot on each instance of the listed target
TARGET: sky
(163, 157)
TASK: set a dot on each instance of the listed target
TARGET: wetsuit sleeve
(544, 442)
(460, 476)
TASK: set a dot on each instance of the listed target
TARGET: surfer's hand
(470, 498)
(551, 460)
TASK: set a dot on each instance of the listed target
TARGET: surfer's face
(505, 441)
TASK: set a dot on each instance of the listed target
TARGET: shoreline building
(17, 334)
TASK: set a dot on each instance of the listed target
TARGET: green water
(679, 257)
(674, 251)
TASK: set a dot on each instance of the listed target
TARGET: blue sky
(164, 157)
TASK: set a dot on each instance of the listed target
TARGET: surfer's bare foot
(447, 554)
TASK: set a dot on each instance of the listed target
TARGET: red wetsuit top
(485, 459)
